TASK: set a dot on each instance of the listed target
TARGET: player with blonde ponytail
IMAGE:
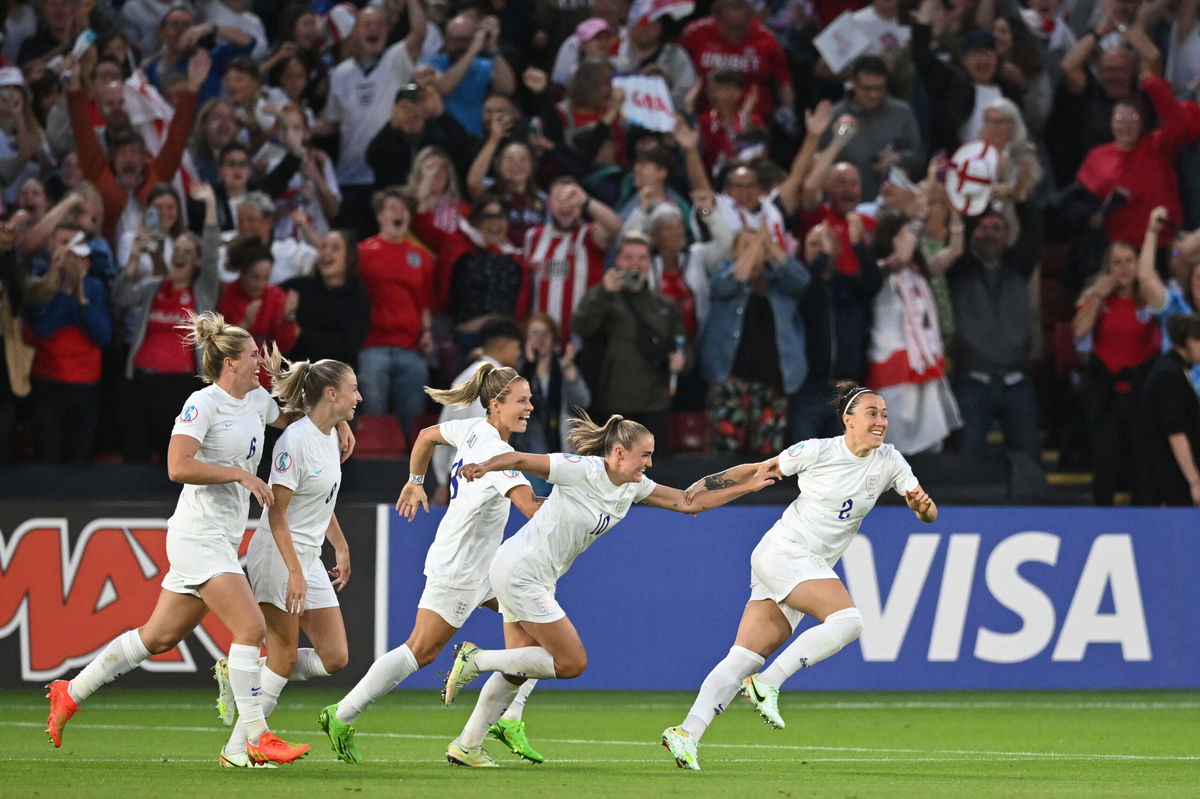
(456, 567)
(214, 451)
(593, 491)
(284, 560)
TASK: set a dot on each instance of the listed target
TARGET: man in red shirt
(731, 38)
(565, 256)
(398, 274)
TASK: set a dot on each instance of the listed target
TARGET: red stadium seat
(379, 436)
(689, 432)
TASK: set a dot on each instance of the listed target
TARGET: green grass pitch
(605, 744)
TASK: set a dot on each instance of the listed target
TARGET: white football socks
(720, 686)
(517, 706)
(814, 645)
(246, 681)
(526, 661)
(272, 687)
(308, 665)
(494, 697)
(384, 675)
(122, 654)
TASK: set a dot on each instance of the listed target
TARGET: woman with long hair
(334, 309)
(593, 492)
(513, 168)
(456, 567)
(791, 569)
(214, 451)
(283, 562)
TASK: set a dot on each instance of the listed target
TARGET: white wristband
(417, 479)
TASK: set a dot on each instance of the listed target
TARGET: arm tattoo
(715, 482)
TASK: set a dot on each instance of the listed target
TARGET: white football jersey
(583, 506)
(308, 462)
(837, 491)
(230, 432)
(473, 526)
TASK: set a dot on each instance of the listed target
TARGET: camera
(631, 280)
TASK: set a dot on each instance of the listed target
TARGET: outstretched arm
(529, 463)
(718, 489)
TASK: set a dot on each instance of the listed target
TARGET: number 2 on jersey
(253, 448)
(454, 477)
(847, 506)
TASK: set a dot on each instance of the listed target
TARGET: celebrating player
(284, 560)
(792, 567)
(456, 567)
(214, 451)
(593, 492)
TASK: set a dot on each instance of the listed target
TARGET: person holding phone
(628, 331)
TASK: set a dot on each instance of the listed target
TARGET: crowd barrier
(985, 598)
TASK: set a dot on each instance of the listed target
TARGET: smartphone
(151, 220)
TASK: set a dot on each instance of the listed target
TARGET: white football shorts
(776, 569)
(195, 559)
(268, 574)
(455, 605)
(520, 598)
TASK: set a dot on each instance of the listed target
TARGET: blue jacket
(722, 331)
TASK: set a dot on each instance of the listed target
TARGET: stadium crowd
(984, 210)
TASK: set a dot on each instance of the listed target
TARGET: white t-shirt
(230, 432)
(360, 103)
(308, 462)
(473, 526)
(582, 507)
(837, 491)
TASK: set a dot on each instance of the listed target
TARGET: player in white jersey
(791, 569)
(456, 567)
(284, 560)
(593, 491)
(214, 451)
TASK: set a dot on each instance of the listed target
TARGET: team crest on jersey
(872, 483)
(414, 260)
(366, 94)
(510, 472)
(794, 449)
(460, 608)
(283, 462)
(570, 458)
(189, 414)
(623, 505)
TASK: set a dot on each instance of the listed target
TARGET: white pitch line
(946, 754)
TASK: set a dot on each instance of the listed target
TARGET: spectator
(302, 39)
(886, 130)
(484, 273)
(126, 176)
(512, 177)
(161, 225)
(182, 37)
(1021, 66)
(1139, 165)
(313, 188)
(418, 121)
(23, 148)
(597, 36)
(548, 365)
(834, 312)
(500, 345)
(752, 344)
(216, 129)
(1115, 324)
(1181, 295)
(233, 15)
(832, 191)
(20, 23)
(140, 20)
(989, 286)
(908, 361)
(290, 257)
(730, 113)
(360, 88)
(266, 312)
(565, 256)
(1169, 420)
(643, 47)
(1018, 171)
(57, 25)
(591, 115)
(68, 312)
(160, 365)
(334, 309)
(630, 330)
(433, 180)
(242, 87)
(471, 65)
(733, 38)
(651, 168)
(287, 86)
(398, 273)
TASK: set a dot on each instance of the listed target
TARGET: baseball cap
(591, 28)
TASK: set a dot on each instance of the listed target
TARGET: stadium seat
(420, 422)
(689, 432)
(379, 436)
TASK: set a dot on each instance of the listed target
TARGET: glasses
(236, 163)
(1127, 117)
(493, 215)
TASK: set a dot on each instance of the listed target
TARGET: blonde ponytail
(588, 438)
(488, 383)
(216, 340)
